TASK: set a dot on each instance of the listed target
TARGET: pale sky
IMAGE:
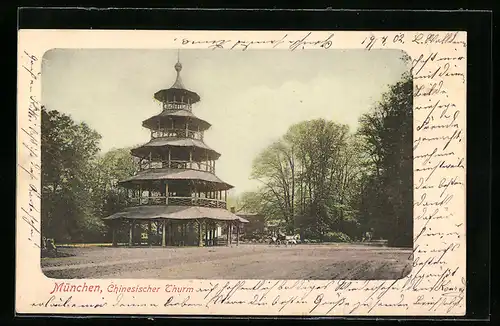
(251, 98)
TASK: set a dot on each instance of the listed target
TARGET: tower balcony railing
(178, 201)
(174, 105)
(176, 164)
(177, 133)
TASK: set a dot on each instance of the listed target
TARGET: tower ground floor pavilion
(176, 226)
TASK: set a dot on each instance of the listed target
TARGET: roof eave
(162, 95)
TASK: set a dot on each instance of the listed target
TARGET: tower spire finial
(178, 68)
(178, 65)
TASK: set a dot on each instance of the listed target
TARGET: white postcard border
(436, 286)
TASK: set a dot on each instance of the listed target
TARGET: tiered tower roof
(177, 93)
(177, 168)
(184, 132)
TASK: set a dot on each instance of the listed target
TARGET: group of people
(48, 244)
(367, 236)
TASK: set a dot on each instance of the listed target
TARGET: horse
(286, 239)
(275, 240)
(292, 239)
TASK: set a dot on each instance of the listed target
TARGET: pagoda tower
(176, 190)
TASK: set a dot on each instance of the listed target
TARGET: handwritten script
(285, 41)
(30, 141)
(436, 283)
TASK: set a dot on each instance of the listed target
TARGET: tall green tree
(320, 178)
(387, 131)
(80, 185)
(262, 201)
(108, 197)
(307, 177)
(275, 169)
(69, 151)
(112, 167)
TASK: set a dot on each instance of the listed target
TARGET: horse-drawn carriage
(280, 238)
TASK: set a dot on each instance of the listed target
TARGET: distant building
(256, 226)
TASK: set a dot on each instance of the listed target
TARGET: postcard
(243, 173)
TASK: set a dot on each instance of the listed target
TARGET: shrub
(336, 237)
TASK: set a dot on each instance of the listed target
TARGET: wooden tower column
(171, 233)
(237, 233)
(231, 230)
(131, 233)
(164, 233)
(150, 233)
(166, 190)
(183, 234)
(206, 233)
(214, 227)
(215, 233)
(200, 233)
(211, 232)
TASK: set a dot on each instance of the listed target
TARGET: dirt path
(242, 262)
